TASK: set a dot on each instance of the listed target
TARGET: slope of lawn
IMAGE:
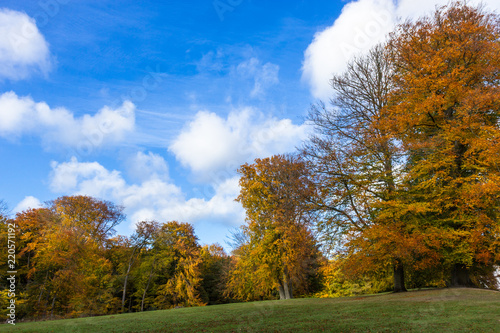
(444, 310)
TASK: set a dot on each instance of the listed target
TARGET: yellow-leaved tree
(279, 251)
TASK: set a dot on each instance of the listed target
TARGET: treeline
(398, 187)
(69, 263)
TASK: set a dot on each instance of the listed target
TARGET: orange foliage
(446, 111)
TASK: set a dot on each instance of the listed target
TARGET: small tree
(281, 249)
(179, 266)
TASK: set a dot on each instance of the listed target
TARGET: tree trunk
(125, 288)
(52, 308)
(281, 290)
(285, 288)
(43, 287)
(130, 262)
(288, 291)
(147, 285)
(460, 276)
(399, 277)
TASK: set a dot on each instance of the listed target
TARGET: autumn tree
(179, 266)
(140, 239)
(70, 263)
(63, 248)
(33, 279)
(445, 108)
(214, 267)
(354, 159)
(281, 249)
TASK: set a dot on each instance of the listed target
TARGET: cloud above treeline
(155, 197)
(211, 145)
(361, 25)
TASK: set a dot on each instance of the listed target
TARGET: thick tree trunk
(285, 288)
(399, 277)
(288, 289)
(281, 290)
(460, 276)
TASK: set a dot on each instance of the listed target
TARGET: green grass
(444, 310)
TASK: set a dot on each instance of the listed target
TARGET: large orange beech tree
(356, 164)
(445, 107)
(280, 251)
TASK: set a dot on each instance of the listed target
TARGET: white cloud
(153, 198)
(146, 166)
(220, 207)
(27, 203)
(415, 9)
(210, 145)
(361, 25)
(264, 76)
(23, 49)
(89, 178)
(22, 115)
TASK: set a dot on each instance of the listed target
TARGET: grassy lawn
(446, 310)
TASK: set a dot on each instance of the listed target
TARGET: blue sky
(154, 104)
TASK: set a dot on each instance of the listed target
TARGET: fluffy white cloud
(153, 197)
(89, 178)
(209, 144)
(146, 166)
(22, 115)
(23, 49)
(27, 203)
(361, 25)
